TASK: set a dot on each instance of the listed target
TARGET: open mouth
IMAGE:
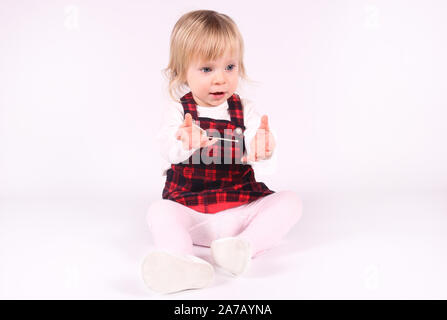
(217, 93)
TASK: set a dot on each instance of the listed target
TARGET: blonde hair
(202, 34)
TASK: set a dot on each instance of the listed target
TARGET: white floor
(356, 245)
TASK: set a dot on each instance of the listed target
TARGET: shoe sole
(166, 273)
(231, 254)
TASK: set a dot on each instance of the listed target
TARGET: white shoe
(232, 254)
(166, 272)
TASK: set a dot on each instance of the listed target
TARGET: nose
(219, 77)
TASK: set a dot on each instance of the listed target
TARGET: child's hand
(263, 143)
(192, 135)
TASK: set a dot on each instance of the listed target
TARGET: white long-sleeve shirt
(172, 150)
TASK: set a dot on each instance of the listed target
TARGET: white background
(356, 91)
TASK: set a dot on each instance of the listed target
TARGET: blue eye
(230, 67)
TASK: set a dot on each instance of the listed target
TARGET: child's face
(207, 77)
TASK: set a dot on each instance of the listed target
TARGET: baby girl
(211, 139)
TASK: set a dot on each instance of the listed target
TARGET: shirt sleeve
(252, 121)
(172, 149)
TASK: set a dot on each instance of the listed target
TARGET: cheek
(204, 84)
(196, 83)
(234, 80)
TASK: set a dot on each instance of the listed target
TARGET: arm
(253, 122)
(179, 138)
(170, 147)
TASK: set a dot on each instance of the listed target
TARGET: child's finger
(264, 123)
(211, 142)
(205, 141)
(188, 120)
(267, 143)
(250, 157)
(253, 157)
(271, 144)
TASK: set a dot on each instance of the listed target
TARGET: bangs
(213, 44)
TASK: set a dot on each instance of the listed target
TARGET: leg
(169, 224)
(268, 221)
(172, 266)
(273, 218)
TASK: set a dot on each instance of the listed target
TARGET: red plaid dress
(218, 180)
